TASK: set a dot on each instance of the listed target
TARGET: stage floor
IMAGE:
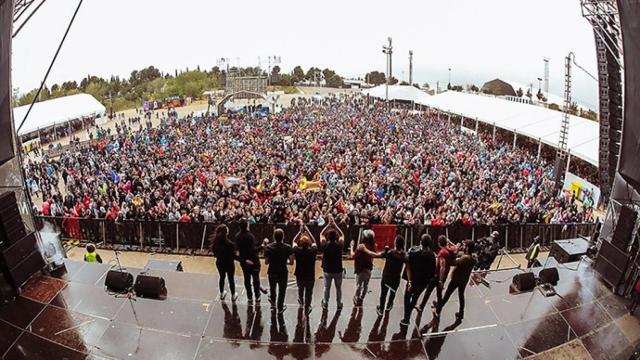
(71, 316)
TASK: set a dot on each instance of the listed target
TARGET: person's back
(332, 257)
(462, 270)
(247, 247)
(423, 265)
(305, 263)
(394, 261)
(278, 254)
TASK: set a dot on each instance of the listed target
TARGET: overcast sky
(478, 39)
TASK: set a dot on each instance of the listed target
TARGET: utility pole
(410, 67)
(388, 50)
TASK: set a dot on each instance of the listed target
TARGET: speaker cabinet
(17, 252)
(549, 276)
(624, 228)
(150, 287)
(524, 281)
(19, 274)
(118, 281)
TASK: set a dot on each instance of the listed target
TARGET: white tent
(57, 111)
(398, 92)
(535, 122)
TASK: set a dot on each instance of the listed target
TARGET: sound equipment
(150, 287)
(12, 227)
(569, 250)
(118, 281)
(19, 254)
(7, 149)
(611, 263)
(624, 228)
(549, 276)
(524, 281)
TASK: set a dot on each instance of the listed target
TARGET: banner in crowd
(585, 191)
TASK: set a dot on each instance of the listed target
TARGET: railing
(178, 237)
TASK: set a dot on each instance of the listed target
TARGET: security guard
(532, 252)
(91, 255)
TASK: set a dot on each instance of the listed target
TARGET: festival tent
(535, 122)
(58, 112)
(398, 92)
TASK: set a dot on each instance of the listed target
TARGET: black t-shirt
(305, 262)
(278, 254)
(394, 261)
(224, 249)
(423, 266)
(332, 257)
(247, 248)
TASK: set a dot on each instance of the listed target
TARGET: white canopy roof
(398, 92)
(56, 111)
(536, 122)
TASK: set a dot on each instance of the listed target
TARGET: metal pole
(204, 233)
(539, 147)
(177, 238)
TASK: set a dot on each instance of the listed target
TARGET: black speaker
(17, 252)
(19, 274)
(549, 276)
(524, 282)
(118, 281)
(624, 228)
(150, 287)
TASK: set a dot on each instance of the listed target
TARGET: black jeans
(251, 281)
(305, 291)
(388, 286)
(227, 269)
(450, 289)
(411, 298)
(281, 283)
(432, 284)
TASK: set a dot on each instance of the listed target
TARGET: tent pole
(539, 147)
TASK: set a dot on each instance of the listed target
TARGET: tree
(519, 92)
(375, 78)
(539, 95)
(298, 74)
(529, 95)
(404, 83)
(449, 86)
(474, 88)
(393, 81)
(426, 85)
(331, 78)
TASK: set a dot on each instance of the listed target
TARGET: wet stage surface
(70, 316)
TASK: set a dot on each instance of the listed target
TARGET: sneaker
(250, 300)
(339, 306)
(263, 290)
(307, 311)
(234, 297)
(257, 299)
(388, 308)
(459, 315)
(300, 301)
(404, 322)
(379, 310)
(324, 304)
(280, 311)
(223, 295)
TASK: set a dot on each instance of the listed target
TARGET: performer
(487, 250)
(305, 251)
(394, 261)
(277, 255)
(332, 245)
(248, 251)
(446, 258)
(420, 270)
(459, 279)
(363, 265)
(224, 250)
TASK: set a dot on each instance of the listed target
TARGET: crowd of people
(341, 156)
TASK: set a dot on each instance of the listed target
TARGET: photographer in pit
(486, 250)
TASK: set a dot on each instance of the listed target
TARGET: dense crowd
(339, 156)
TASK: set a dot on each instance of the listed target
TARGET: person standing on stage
(446, 257)
(420, 270)
(363, 265)
(487, 250)
(459, 279)
(305, 252)
(332, 245)
(225, 252)
(277, 255)
(248, 251)
(391, 273)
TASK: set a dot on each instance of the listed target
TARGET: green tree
(474, 88)
(375, 78)
(393, 81)
(519, 92)
(298, 74)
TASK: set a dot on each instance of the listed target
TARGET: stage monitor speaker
(549, 276)
(524, 281)
(624, 228)
(150, 287)
(118, 281)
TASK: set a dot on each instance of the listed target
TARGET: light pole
(449, 85)
(388, 50)
(410, 67)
